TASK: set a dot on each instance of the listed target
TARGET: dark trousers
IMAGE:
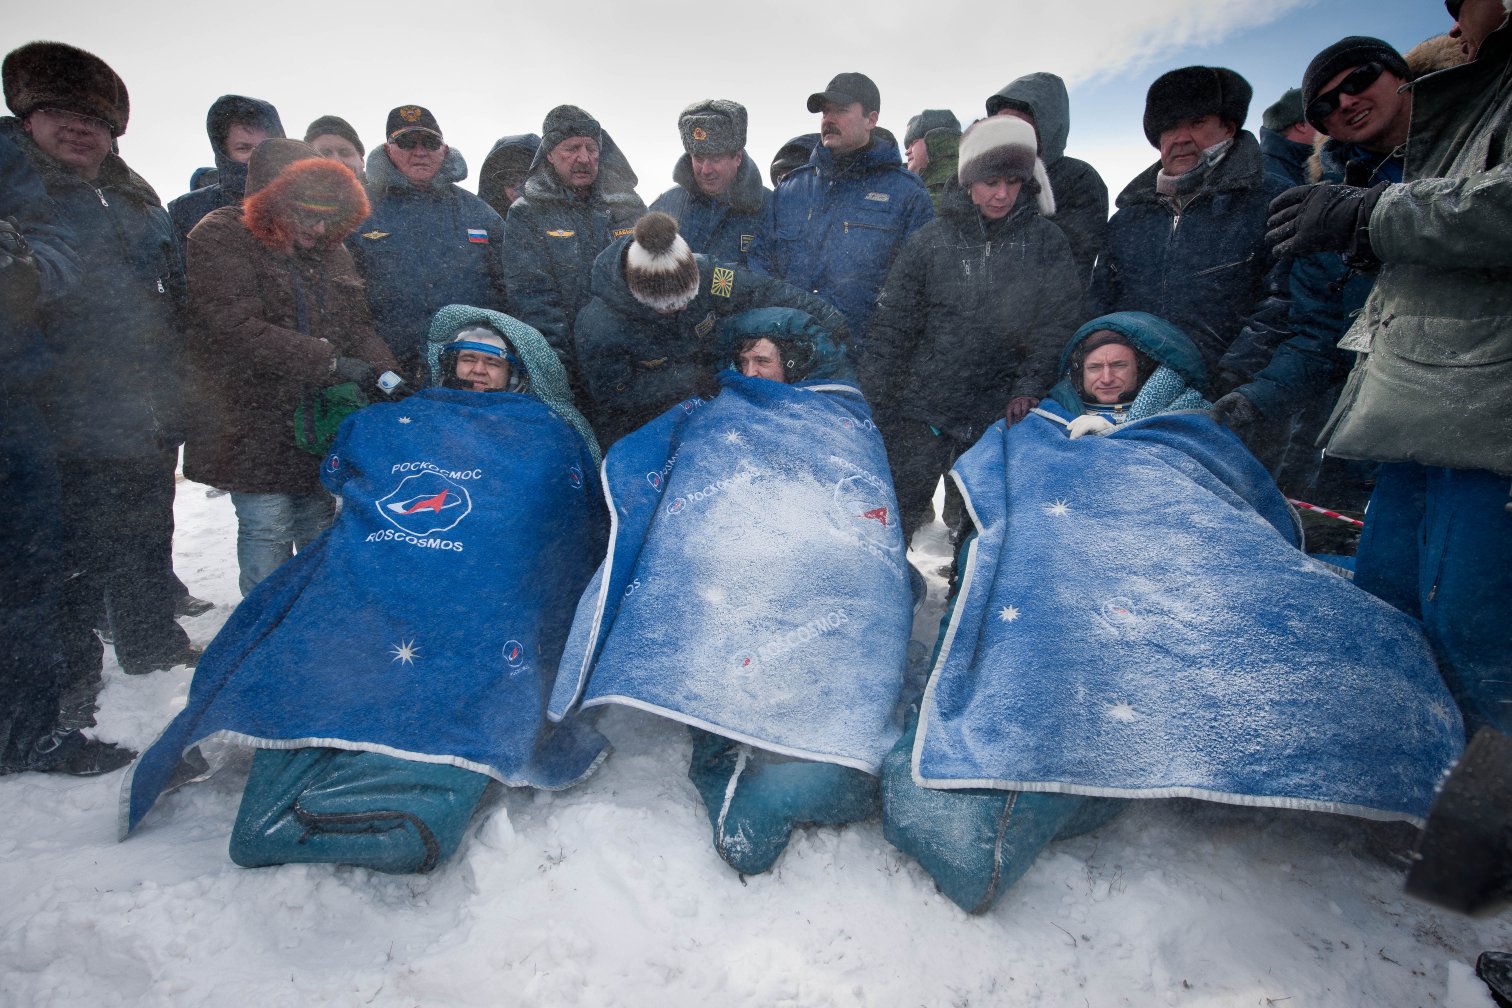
(118, 548)
(918, 456)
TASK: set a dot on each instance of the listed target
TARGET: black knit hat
(1192, 92)
(568, 121)
(1346, 54)
(713, 126)
(1285, 112)
(927, 120)
(659, 267)
(410, 117)
(335, 126)
(55, 75)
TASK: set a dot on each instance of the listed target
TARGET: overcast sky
(490, 69)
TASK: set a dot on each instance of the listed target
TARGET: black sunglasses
(1453, 7)
(1359, 79)
(414, 138)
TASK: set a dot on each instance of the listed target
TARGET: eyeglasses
(76, 120)
(1453, 7)
(414, 138)
(1358, 80)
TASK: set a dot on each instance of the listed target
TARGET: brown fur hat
(56, 75)
(312, 184)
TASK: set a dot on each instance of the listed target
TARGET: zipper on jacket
(101, 193)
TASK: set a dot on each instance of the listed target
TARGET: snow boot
(1464, 860)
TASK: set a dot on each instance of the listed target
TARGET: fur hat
(1345, 54)
(1285, 113)
(1003, 146)
(287, 175)
(1192, 92)
(335, 126)
(659, 267)
(55, 75)
(713, 126)
(407, 118)
(568, 121)
(927, 120)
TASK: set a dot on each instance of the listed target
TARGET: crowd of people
(1332, 293)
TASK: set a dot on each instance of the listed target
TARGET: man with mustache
(835, 224)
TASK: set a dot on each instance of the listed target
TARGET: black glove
(1238, 414)
(1323, 218)
(20, 283)
(354, 369)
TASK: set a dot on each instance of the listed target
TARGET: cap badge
(410, 113)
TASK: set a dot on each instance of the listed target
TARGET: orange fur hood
(313, 185)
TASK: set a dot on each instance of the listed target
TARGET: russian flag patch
(477, 236)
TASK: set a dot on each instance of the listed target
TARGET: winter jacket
(1285, 160)
(1081, 196)
(1434, 382)
(835, 229)
(720, 228)
(24, 352)
(114, 389)
(944, 149)
(1157, 338)
(267, 325)
(506, 149)
(637, 362)
(973, 314)
(1202, 266)
(231, 178)
(423, 249)
(551, 238)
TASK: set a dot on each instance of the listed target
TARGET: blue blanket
(756, 584)
(428, 621)
(1135, 620)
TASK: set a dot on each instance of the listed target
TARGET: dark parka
(1285, 160)
(423, 249)
(972, 315)
(721, 228)
(1200, 263)
(1081, 196)
(506, 151)
(114, 389)
(551, 238)
(637, 362)
(835, 230)
(266, 326)
(231, 176)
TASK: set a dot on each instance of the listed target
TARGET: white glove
(1089, 423)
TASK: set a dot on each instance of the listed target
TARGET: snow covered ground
(610, 894)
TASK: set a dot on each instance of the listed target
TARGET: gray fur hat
(568, 121)
(713, 126)
(928, 120)
(1004, 147)
(659, 267)
(1285, 113)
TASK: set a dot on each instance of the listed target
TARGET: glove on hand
(1238, 414)
(1323, 218)
(20, 283)
(1089, 423)
(354, 369)
(1018, 408)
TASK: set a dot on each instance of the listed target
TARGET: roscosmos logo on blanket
(431, 500)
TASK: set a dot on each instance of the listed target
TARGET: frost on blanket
(1135, 620)
(427, 623)
(756, 584)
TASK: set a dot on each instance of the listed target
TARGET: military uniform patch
(410, 113)
(622, 232)
(723, 283)
(560, 234)
(699, 133)
(878, 197)
(745, 242)
(705, 327)
(375, 235)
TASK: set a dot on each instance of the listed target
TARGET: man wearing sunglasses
(429, 242)
(1431, 396)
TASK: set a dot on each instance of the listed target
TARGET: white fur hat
(1003, 146)
(659, 267)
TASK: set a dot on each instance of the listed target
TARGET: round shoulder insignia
(410, 113)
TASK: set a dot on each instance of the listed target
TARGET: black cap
(410, 117)
(845, 89)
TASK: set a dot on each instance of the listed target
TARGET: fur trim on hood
(383, 174)
(312, 181)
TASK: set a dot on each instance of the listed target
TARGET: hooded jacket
(1167, 345)
(721, 228)
(267, 324)
(835, 230)
(637, 362)
(1434, 381)
(517, 147)
(231, 178)
(121, 324)
(972, 315)
(552, 237)
(1201, 264)
(422, 249)
(1081, 196)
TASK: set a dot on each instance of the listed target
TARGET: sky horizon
(644, 61)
